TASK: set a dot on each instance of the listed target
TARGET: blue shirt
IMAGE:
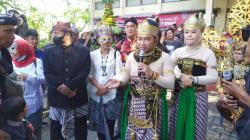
(16, 130)
(33, 94)
(39, 54)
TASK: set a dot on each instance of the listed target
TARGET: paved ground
(216, 131)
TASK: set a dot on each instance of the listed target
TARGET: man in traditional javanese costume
(195, 68)
(145, 107)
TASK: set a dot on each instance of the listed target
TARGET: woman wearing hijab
(30, 70)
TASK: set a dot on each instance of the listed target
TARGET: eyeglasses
(105, 39)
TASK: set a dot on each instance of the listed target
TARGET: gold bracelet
(151, 74)
(154, 76)
(157, 76)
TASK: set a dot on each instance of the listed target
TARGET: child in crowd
(4, 135)
(14, 110)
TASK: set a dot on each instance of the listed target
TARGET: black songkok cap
(132, 19)
(6, 19)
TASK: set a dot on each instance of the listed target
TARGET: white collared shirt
(113, 66)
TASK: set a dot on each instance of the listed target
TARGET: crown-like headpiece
(195, 22)
(104, 30)
(149, 26)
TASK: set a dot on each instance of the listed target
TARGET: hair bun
(153, 21)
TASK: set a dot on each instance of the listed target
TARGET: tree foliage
(9, 4)
(42, 22)
(78, 17)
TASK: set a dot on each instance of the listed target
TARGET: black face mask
(58, 40)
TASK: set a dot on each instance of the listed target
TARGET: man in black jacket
(7, 36)
(66, 67)
(7, 31)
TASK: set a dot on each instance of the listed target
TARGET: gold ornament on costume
(223, 45)
(195, 22)
(238, 17)
(147, 29)
(132, 135)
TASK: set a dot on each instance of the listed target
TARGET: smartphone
(228, 75)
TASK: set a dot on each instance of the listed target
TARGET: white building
(169, 11)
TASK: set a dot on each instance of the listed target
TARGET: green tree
(9, 4)
(42, 22)
(78, 17)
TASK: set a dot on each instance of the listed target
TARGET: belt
(196, 88)
(150, 93)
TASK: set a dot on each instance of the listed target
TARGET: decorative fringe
(155, 137)
(132, 135)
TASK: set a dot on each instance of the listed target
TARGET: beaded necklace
(104, 65)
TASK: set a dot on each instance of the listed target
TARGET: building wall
(221, 18)
(159, 7)
(183, 5)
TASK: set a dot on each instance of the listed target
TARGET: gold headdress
(104, 30)
(149, 26)
(195, 22)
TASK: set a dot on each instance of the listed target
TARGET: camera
(92, 34)
(228, 75)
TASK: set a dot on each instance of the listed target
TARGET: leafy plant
(42, 22)
(9, 4)
(78, 17)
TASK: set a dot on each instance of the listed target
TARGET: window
(170, 0)
(116, 4)
(100, 5)
(145, 2)
(133, 2)
(140, 2)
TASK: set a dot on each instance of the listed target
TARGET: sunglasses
(105, 39)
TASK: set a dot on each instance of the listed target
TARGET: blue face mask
(58, 40)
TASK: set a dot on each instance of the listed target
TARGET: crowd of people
(119, 92)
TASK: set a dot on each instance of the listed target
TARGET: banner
(166, 20)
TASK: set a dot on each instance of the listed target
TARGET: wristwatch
(192, 78)
(177, 73)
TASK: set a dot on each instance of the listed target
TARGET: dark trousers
(36, 120)
(111, 126)
(243, 132)
(81, 131)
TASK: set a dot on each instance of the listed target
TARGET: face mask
(12, 49)
(21, 58)
(58, 40)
